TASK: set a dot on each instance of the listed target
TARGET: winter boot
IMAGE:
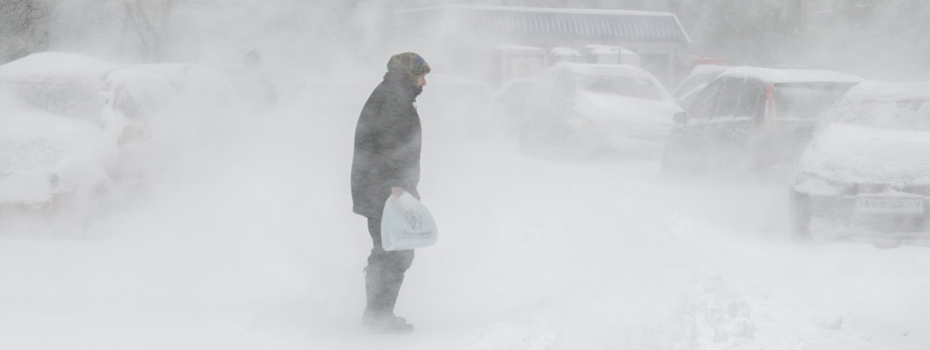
(385, 322)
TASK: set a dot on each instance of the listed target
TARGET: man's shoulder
(389, 90)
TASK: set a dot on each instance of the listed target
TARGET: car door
(727, 130)
(693, 133)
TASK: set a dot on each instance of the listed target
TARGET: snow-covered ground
(256, 247)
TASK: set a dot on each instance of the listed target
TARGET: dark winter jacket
(387, 146)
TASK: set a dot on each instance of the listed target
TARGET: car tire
(800, 210)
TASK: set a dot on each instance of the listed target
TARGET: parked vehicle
(752, 119)
(596, 110)
(867, 171)
(70, 125)
(696, 81)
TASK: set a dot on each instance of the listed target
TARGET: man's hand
(397, 191)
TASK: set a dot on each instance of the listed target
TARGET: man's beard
(417, 89)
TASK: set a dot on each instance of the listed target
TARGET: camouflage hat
(409, 64)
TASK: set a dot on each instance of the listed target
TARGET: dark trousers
(384, 274)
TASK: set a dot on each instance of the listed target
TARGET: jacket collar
(410, 89)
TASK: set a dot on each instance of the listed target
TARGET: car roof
(781, 76)
(57, 67)
(708, 69)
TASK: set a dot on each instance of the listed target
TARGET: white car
(867, 171)
(585, 110)
(67, 125)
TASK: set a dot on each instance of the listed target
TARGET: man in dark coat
(387, 162)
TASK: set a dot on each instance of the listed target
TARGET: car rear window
(806, 100)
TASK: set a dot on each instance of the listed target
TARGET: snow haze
(242, 235)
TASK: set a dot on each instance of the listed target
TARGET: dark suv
(750, 118)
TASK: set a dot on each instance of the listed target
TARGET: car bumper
(871, 216)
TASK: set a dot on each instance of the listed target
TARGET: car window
(752, 100)
(806, 100)
(897, 114)
(703, 105)
(729, 97)
(693, 82)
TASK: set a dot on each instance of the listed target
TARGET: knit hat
(409, 65)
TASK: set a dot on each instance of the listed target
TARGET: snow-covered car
(867, 171)
(696, 81)
(596, 110)
(752, 119)
(67, 124)
(459, 108)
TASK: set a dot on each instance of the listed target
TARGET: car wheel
(800, 216)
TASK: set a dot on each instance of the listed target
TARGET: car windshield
(694, 81)
(630, 86)
(902, 114)
(71, 100)
(806, 100)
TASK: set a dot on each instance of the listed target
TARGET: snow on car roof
(708, 69)
(777, 76)
(56, 66)
(603, 49)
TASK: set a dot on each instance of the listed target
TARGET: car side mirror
(680, 117)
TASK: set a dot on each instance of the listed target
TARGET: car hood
(857, 154)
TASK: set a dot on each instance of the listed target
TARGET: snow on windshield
(909, 114)
(901, 106)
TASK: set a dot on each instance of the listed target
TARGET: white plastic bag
(406, 224)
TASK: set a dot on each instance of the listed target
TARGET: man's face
(421, 80)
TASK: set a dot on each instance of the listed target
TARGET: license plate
(889, 206)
